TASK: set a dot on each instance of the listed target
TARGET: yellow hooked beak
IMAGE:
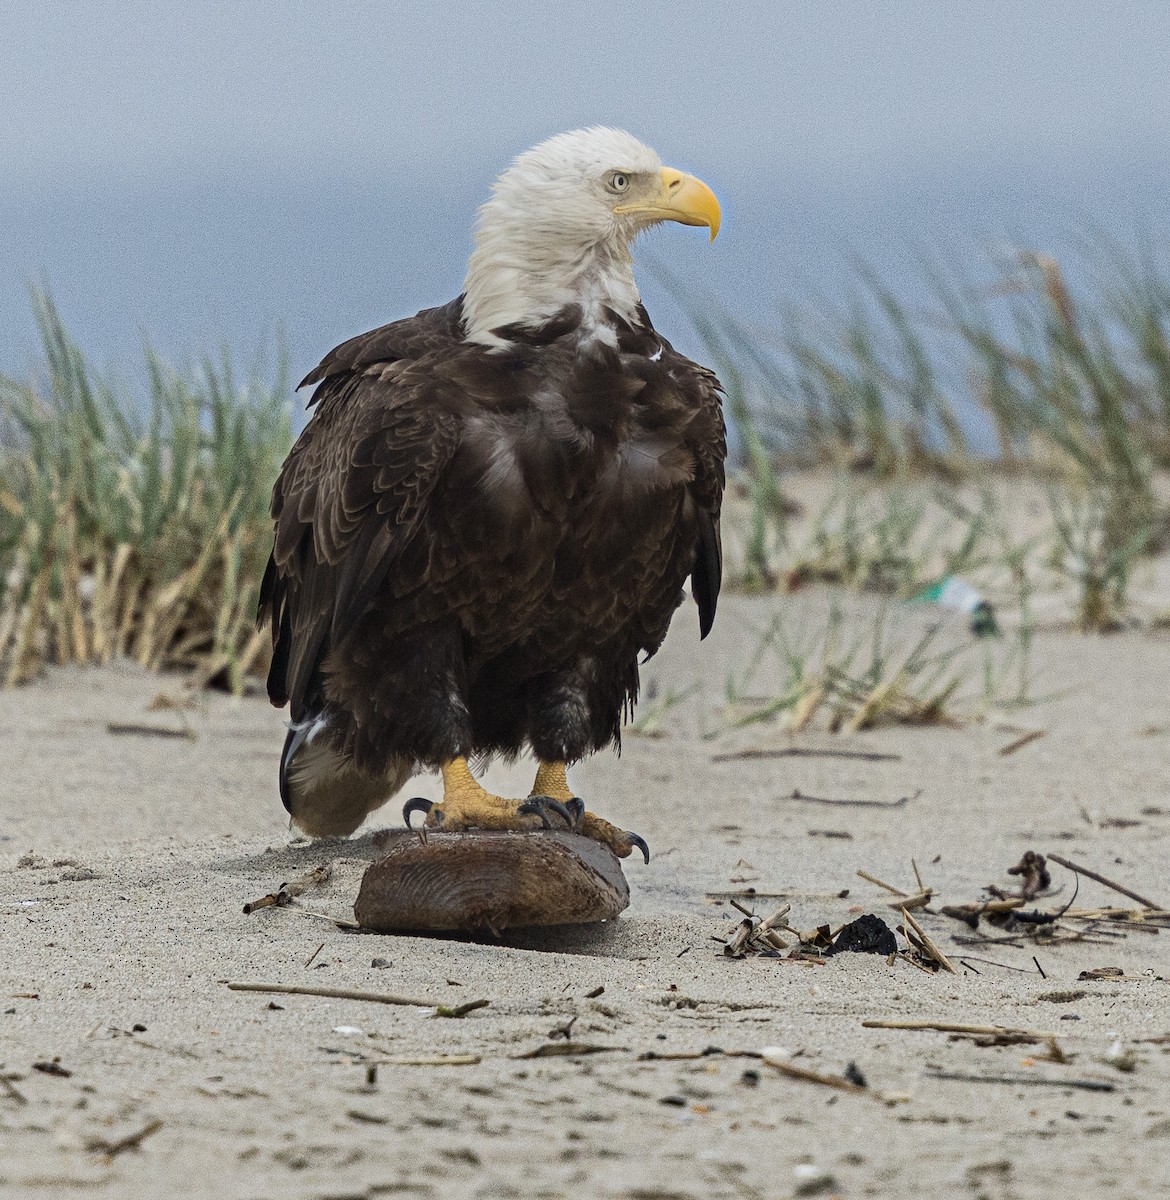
(682, 198)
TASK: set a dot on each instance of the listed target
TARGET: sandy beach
(133, 1071)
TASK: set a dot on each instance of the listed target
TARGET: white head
(559, 225)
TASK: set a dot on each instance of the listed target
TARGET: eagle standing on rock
(492, 512)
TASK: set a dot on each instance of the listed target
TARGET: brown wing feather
(348, 501)
(706, 438)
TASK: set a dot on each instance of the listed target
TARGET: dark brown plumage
(475, 545)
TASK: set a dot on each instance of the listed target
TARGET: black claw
(418, 804)
(639, 844)
(540, 806)
(576, 809)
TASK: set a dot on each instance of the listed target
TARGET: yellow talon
(552, 781)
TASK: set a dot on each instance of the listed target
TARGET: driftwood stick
(799, 795)
(920, 900)
(931, 948)
(11, 1090)
(461, 1010)
(1087, 1085)
(159, 731)
(130, 1142)
(889, 887)
(284, 894)
(951, 1027)
(834, 1081)
(292, 989)
(1109, 883)
(806, 752)
(1025, 739)
(429, 1060)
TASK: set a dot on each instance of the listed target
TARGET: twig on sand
(430, 1060)
(806, 752)
(292, 989)
(799, 795)
(991, 961)
(928, 945)
(340, 922)
(1109, 883)
(889, 887)
(840, 1082)
(309, 960)
(1025, 739)
(460, 1010)
(954, 1027)
(1087, 1085)
(834, 1081)
(566, 1050)
(130, 1142)
(284, 894)
(159, 731)
(11, 1090)
(919, 899)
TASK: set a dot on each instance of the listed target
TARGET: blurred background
(293, 172)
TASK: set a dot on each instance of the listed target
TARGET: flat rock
(481, 881)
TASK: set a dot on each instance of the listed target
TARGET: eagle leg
(552, 784)
(466, 805)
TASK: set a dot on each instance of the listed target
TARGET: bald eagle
(492, 512)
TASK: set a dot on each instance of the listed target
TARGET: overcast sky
(214, 171)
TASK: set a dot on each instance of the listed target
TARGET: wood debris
(292, 989)
(285, 894)
(131, 1141)
(429, 1060)
(1088, 1085)
(1107, 882)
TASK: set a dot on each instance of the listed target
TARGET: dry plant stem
(1109, 883)
(954, 1027)
(806, 752)
(921, 900)
(833, 1081)
(1023, 740)
(990, 962)
(430, 1060)
(11, 1091)
(340, 922)
(889, 887)
(292, 989)
(1087, 1085)
(130, 1142)
(567, 1050)
(931, 948)
(461, 1010)
(799, 795)
(160, 731)
(283, 895)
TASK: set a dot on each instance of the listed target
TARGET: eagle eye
(618, 181)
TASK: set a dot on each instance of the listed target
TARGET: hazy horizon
(229, 175)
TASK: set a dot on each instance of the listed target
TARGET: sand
(125, 861)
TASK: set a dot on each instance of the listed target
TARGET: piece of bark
(490, 881)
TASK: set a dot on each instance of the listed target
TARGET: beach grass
(1020, 373)
(135, 525)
